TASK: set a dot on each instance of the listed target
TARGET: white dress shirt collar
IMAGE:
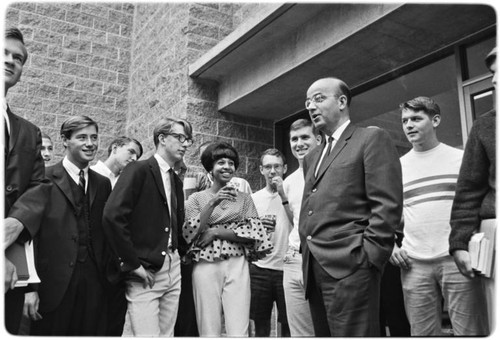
(74, 171)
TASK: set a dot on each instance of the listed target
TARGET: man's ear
(319, 139)
(284, 169)
(343, 102)
(436, 120)
(64, 141)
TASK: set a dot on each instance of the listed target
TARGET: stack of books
(482, 248)
(22, 256)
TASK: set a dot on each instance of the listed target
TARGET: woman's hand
(227, 192)
(206, 238)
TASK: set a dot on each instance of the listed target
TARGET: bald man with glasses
(352, 200)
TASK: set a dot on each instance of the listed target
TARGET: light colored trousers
(153, 311)
(424, 286)
(297, 307)
(222, 287)
(489, 288)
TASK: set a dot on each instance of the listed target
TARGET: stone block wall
(167, 38)
(79, 61)
(126, 66)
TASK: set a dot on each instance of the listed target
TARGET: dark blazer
(25, 194)
(136, 217)
(350, 210)
(26, 187)
(57, 242)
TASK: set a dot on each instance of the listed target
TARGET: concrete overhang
(266, 65)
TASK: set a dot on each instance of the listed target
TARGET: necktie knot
(329, 145)
(81, 181)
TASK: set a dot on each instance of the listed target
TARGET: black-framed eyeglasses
(316, 99)
(182, 138)
(269, 167)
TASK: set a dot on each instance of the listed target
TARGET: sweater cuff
(458, 246)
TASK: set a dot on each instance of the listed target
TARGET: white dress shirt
(74, 172)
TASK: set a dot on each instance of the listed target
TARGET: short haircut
(491, 58)
(124, 140)
(343, 89)
(166, 125)
(273, 152)
(204, 144)
(46, 136)
(424, 104)
(141, 150)
(76, 123)
(302, 123)
(15, 33)
(216, 151)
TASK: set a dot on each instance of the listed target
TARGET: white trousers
(153, 311)
(297, 307)
(222, 287)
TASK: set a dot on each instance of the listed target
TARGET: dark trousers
(117, 308)
(82, 311)
(392, 305)
(267, 288)
(186, 315)
(344, 307)
(14, 302)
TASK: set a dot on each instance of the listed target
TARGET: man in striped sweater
(428, 272)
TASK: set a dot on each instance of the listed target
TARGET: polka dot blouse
(240, 216)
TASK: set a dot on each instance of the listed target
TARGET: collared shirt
(5, 115)
(103, 169)
(74, 171)
(164, 167)
(335, 135)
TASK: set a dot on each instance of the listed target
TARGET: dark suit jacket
(350, 211)
(136, 217)
(57, 241)
(26, 187)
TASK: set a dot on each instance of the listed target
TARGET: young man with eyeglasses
(266, 275)
(142, 220)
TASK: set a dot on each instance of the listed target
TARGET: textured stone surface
(79, 63)
(125, 65)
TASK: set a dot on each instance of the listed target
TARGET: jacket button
(8, 188)
(164, 253)
(166, 229)
(310, 212)
(314, 190)
(309, 238)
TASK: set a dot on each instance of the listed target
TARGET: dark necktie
(7, 137)
(328, 147)
(81, 181)
(173, 198)
(173, 209)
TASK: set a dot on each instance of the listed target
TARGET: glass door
(479, 99)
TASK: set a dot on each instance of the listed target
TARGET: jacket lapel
(61, 178)
(339, 146)
(155, 169)
(92, 187)
(14, 129)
